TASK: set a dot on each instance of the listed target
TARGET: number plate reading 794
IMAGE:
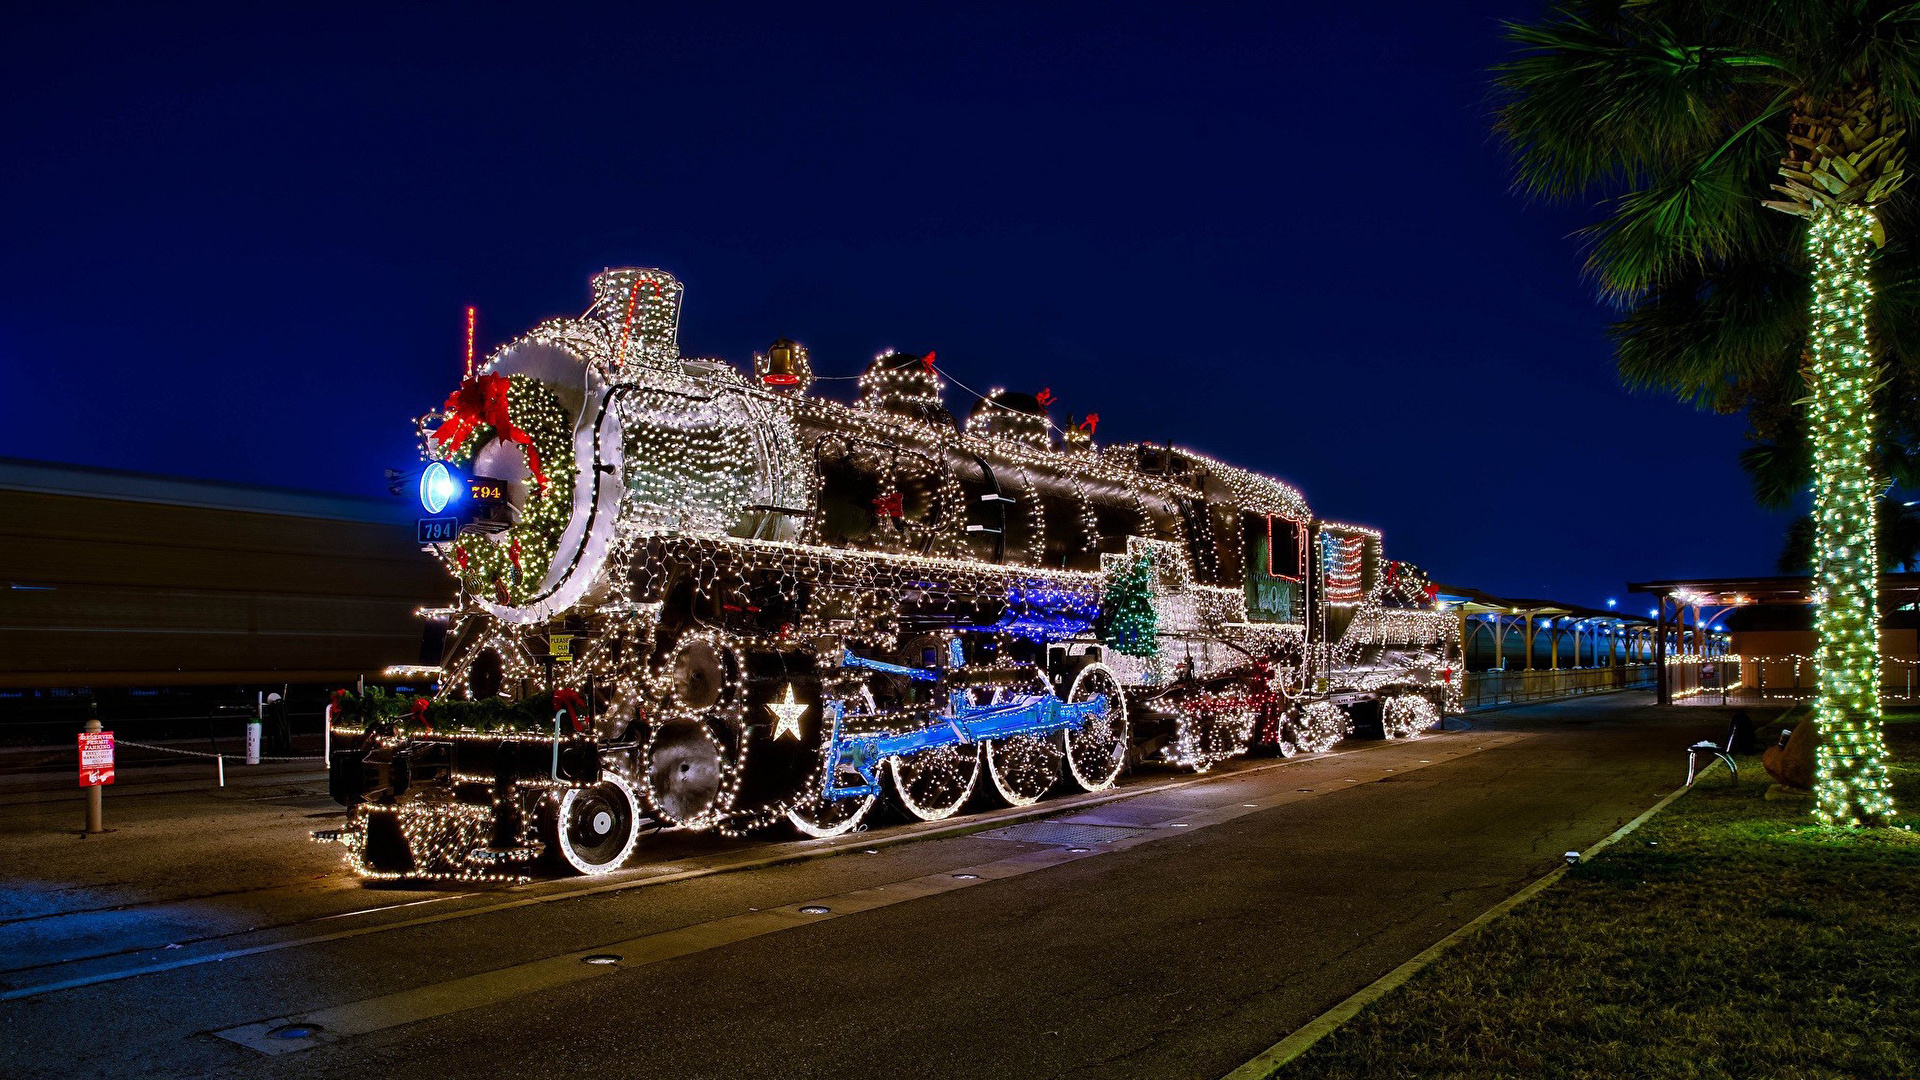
(438, 530)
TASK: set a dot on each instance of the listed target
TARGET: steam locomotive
(747, 605)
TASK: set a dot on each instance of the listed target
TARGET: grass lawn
(1727, 937)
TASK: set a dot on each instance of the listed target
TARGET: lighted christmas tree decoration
(697, 597)
(1129, 622)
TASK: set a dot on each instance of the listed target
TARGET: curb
(1268, 1061)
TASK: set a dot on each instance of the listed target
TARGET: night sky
(238, 243)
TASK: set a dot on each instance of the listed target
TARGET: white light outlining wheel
(820, 818)
(934, 784)
(816, 816)
(597, 827)
(1285, 746)
(1320, 725)
(1407, 715)
(1097, 749)
(1023, 767)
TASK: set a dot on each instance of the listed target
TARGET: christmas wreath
(510, 566)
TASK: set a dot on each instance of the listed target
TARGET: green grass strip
(1730, 937)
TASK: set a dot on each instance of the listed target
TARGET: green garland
(378, 708)
(510, 566)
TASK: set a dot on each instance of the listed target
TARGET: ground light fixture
(1573, 858)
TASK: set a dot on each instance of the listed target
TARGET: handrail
(1485, 689)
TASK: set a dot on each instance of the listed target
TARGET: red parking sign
(96, 758)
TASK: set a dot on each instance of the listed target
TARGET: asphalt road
(1175, 931)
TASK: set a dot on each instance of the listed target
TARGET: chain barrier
(204, 753)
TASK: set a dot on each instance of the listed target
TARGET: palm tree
(1686, 117)
(1730, 337)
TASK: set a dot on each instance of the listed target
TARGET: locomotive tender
(745, 605)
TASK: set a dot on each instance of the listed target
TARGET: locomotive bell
(785, 366)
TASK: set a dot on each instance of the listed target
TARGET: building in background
(119, 579)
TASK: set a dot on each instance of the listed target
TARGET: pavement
(1173, 928)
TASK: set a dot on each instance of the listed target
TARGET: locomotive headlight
(438, 487)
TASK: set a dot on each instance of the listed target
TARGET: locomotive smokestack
(641, 308)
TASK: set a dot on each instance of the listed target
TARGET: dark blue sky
(238, 242)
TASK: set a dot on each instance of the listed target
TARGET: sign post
(96, 769)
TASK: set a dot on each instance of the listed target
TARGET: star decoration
(788, 712)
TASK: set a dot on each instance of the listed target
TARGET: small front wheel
(596, 828)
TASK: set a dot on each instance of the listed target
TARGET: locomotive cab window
(1274, 563)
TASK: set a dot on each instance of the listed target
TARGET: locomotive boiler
(698, 597)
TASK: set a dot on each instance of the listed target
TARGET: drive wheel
(596, 828)
(1320, 725)
(1408, 715)
(820, 818)
(817, 817)
(1025, 767)
(1097, 749)
(934, 784)
(1284, 744)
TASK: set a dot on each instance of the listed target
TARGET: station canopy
(1475, 602)
(1896, 591)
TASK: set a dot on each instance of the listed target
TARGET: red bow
(1092, 421)
(483, 400)
(569, 701)
(927, 362)
(420, 714)
(1044, 397)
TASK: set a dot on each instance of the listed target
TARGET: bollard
(220, 768)
(95, 813)
(253, 728)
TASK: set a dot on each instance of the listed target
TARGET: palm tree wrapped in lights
(1684, 115)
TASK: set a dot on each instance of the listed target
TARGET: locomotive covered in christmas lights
(700, 598)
